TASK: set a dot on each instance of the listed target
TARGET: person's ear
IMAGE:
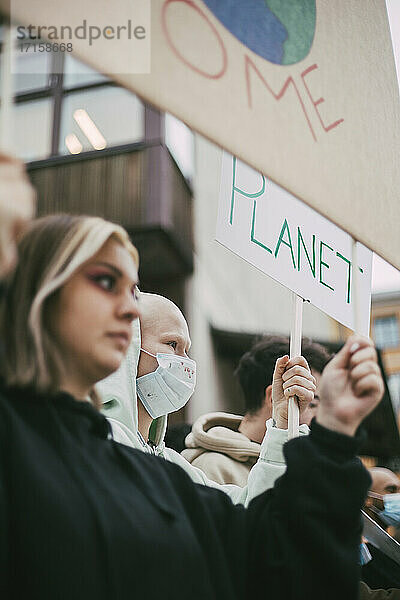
(268, 396)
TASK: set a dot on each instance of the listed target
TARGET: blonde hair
(49, 253)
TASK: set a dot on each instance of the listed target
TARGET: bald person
(166, 376)
(384, 481)
(383, 497)
(157, 378)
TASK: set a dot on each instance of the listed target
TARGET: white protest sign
(305, 91)
(284, 238)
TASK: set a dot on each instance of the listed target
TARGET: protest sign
(284, 238)
(304, 91)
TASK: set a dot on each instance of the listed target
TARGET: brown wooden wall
(142, 189)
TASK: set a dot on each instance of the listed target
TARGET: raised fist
(351, 386)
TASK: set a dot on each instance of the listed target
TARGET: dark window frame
(55, 90)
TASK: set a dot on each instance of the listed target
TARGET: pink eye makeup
(101, 278)
(109, 278)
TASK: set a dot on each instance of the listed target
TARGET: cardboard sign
(284, 238)
(304, 91)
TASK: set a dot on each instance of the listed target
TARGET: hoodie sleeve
(198, 476)
(269, 467)
(297, 541)
(304, 535)
(264, 478)
(271, 464)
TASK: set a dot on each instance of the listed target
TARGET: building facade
(385, 330)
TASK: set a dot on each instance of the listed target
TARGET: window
(32, 129)
(394, 390)
(32, 70)
(78, 74)
(49, 90)
(63, 106)
(386, 332)
(99, 118)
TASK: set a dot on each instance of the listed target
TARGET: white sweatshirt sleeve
(270, 466)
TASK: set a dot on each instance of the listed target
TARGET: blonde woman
(83, 517)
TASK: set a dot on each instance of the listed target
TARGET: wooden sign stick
(295, 350)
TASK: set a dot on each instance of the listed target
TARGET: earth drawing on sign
(281, 31)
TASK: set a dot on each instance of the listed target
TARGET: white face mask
(169, 387)
(391, 513)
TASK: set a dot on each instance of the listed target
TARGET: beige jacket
(367, 594)
(217, 448)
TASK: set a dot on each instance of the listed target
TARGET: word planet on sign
(284, 238)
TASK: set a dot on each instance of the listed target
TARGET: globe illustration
(281, 31)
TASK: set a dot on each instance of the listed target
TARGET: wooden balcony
(138, 186)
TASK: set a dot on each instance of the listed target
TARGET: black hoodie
(83, 517)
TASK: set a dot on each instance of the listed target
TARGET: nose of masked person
(169, 387)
